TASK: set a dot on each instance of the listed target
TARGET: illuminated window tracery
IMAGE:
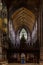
(23, 32)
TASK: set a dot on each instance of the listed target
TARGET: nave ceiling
(24, 12)
(23, 17)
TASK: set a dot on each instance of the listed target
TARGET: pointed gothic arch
(23, 32)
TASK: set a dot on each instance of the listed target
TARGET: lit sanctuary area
(21, 32)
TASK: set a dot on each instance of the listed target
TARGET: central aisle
(25, 64)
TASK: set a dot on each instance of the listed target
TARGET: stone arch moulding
(18, 33)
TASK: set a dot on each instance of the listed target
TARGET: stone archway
(28, 34)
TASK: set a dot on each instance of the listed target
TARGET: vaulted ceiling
(24, 12)
(23, 17)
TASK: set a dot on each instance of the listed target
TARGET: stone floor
(23, 64)
(6, 63)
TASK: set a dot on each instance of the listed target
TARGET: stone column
(40, 29)
(1, 56)
(28, 38)
(4, 29)
(1, 31)
(18, 39)
(41, 20)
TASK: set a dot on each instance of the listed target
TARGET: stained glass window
(23, 32)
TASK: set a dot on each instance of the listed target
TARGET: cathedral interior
(21, 31)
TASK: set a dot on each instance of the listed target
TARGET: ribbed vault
(23, 17)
